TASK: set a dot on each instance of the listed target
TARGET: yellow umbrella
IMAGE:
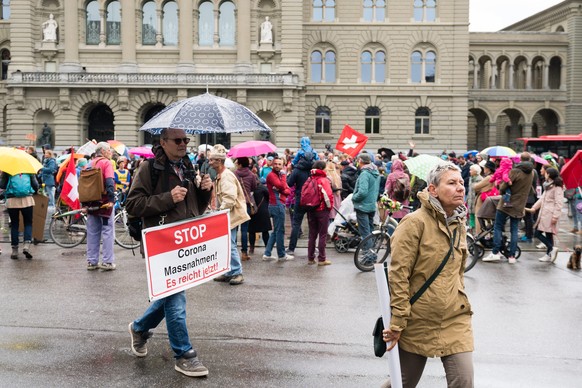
(14, 161)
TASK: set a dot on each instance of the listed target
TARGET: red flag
(70, 191)
(351, 141)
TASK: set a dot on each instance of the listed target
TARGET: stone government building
(396, 70)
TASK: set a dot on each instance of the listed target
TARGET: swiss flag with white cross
(351, 141)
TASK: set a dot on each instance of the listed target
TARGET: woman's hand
(391, 336)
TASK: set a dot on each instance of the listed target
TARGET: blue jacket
(305, 143)
(47, 172)
(366, 190)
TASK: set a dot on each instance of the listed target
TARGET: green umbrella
(420, 165)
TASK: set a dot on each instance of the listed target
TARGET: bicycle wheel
(68, 231)
(377, 250)
(122, 237)
(476, 251)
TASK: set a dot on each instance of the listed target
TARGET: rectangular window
(372, 125)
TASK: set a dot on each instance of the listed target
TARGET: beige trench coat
(439, 323)
(230, 195)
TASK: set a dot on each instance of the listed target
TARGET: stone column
(243, 38)
(216, 26)
(527, 130)
(102, 32)
(71, 62)
(159, 36)
(128, 22)
(546, 77)
(476, 71)
(185, 39)
(494, 72)
(563, 77)
(528, 77)
(511, 86)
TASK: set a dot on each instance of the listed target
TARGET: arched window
(170, 23)
(373, 66)
(113, 23)
(5, 10)
(423, 67)
(322, 119)
(329, 67)
(5, 54)
(323, 10)
(422, 121)
(374, 10)
(323, 66)
(316, 63)
(372, 120)
(206, 24)
(366, 67)
(424, 10)
(148, 23)
(226, 25)
(93, 23)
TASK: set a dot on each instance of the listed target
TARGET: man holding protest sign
(230, 196)
(163, 192)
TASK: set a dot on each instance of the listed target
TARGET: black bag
(379, 344)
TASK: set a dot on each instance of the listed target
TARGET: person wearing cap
(230, 196)
(366, 194)
(483, 186)
(266, 168)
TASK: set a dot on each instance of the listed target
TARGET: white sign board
(187, 253)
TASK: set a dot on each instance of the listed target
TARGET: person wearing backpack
(398, 187)
(19, 189)
(100, 225)
(318, 217)
(305, 155)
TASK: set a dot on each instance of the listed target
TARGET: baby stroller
(484, 240)
(344, 230)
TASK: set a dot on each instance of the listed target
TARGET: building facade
(398, 71)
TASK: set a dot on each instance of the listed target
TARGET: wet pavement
(288, 325)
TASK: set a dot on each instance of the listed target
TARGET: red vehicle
(562, 145)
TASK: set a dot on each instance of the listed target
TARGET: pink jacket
(550, 206)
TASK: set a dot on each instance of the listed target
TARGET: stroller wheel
(341, 244)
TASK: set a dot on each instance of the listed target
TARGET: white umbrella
(87, 148)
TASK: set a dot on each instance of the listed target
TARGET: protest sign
(187, 253)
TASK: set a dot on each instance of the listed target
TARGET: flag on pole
(70, 191)
(351, 141)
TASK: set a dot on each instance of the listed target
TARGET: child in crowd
(502, 175)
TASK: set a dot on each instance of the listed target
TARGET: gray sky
(493, 15)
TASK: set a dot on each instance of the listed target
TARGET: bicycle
(375, 248)
(69, 228)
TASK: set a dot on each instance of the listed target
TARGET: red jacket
(322, 180)
(277, 185)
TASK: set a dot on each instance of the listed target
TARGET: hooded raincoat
(439, 323)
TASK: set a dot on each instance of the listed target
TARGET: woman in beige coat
(438, 324)
(550, 207)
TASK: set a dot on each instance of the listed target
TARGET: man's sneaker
(236, 280)
(321, 263)
(525, 239)
(554, 254)
(14, 254)
(190, 365)
(492, 257)
(107, 266)
(26, 250)
(545, 258)
(91, 267)
(541, 246)
(138, 341)
(269, 258)
(287, 257)
(511, 260)
(289, 252)
(222, 278)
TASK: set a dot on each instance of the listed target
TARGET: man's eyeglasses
(179, 140)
